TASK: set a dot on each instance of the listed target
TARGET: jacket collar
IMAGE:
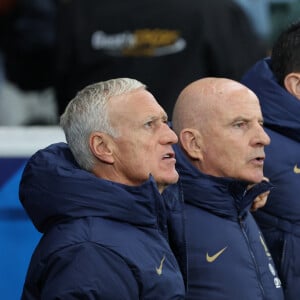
(54, 188)
(222, 196)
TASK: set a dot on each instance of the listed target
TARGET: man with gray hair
(98, 200)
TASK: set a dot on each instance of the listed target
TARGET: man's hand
(261, 200)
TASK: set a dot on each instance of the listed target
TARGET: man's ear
(190, 140)
(100, 145)
(292, 84)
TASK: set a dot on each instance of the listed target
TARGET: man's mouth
(259, 160)
(169, 155)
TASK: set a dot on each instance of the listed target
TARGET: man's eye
(149, 124)
(239, 124)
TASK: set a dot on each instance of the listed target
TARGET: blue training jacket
(227, 255)
(280, 218)
(102, 240)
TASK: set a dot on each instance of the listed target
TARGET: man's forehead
(139, 112)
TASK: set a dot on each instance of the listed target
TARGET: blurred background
(52, 48)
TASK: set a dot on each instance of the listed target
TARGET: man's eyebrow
(240, 118)
(247, 119)
(156, 118)
(152, 118)
(243, 117)
(164, 117)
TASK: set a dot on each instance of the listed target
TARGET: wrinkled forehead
(239, 103)
(135, 105)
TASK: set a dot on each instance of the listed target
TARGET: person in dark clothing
(28, 44)
(6, 8)
(165, 44)
(99, 203)
(276, 82)
(220, 160)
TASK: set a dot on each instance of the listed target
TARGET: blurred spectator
(282, 13)
(27, 38)
(258, 12)
(269, 17)
(18, 107)
(29, 43)
(6, 6)
(1, 70)
(165, 44)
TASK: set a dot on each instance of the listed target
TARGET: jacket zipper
(252, 256)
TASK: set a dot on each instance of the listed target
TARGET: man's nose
(169, 136)
(262, 136)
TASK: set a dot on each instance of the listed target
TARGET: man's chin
(163, 183)
(256, 178)
(173, 179)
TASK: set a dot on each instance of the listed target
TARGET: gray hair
(88, 112)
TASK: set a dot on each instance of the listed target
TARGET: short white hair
(87, 112)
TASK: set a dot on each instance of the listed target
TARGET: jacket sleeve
(88, 271)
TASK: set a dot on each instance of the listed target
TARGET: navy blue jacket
(280, 218)
(102, 240)
(227, 256)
